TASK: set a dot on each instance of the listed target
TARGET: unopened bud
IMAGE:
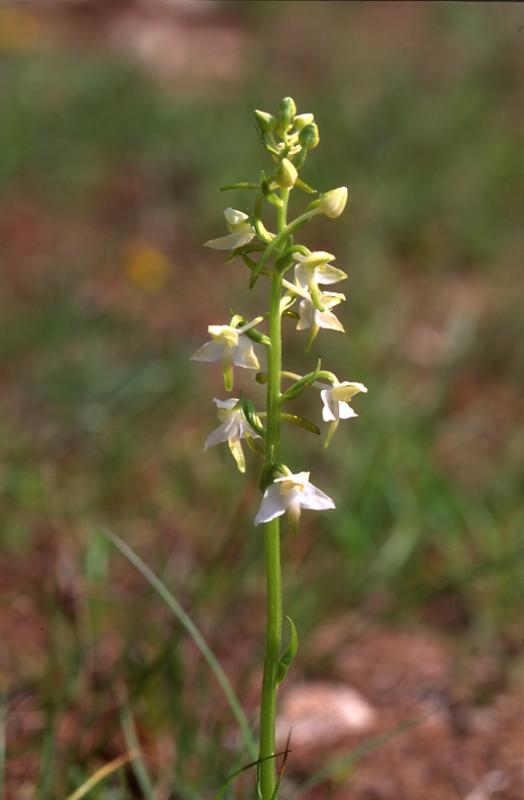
(332, 203)
(309, 136)
(265, 122)
(286, 111)
(286, 174)
(287, 108)
(301, 120)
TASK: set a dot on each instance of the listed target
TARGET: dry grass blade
(102, 773)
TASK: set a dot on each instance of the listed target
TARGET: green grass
(103, 418)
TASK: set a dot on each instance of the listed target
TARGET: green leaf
(301, 422)
(297, 388)
(287, 659)
(238, 185)
(285, 260)
(250, 414)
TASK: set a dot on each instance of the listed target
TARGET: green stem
(283, 230)
(267, 767)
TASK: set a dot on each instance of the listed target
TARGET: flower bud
(309, 136)
(287, 108)
(265, 122)
(332, 203)
(301, 120)
(286, 111)
(286, 174)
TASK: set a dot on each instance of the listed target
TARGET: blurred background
(119, 120)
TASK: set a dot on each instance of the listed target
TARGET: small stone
(321, 713)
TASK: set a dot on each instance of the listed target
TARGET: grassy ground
(108, 183)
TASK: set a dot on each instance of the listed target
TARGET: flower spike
(298, 279)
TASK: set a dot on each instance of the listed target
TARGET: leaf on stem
(238, 185)
(287, 659)
(297, 388)
(250, 413)
(301, 422)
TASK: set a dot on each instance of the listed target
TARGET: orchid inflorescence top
(298, 276)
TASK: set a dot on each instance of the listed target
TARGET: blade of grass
(138, 764)
(186, 621)
(45, 780)
(103, 773)
(231, 777)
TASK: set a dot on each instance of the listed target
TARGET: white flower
(234, 427)
(231, 347)
(240, 231)
(335, 400)
(311, 317)
(312, 297)
(289, 494)
(314, 269)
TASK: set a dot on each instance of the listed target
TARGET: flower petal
(302, 275)
(228, 404)
(345, 410)
(347, 389)
(328, 274)
(221, 434)
(315, 499)
(305, 310)
(210, 351)
(326, 319)
(234, 217)
(330, 408)
(299, 478)
(245, 428)
(231, 241)
(244, 355)
(272, 505)
(315, 258)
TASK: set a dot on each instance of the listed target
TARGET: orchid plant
(296, 276)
